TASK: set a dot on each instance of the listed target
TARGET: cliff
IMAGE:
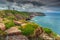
(25, 31)
(14, 26)
(13, 14)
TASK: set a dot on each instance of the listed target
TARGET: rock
(2, 26)
(35, 36)
(19, 16)
(16, 37)
(13, 30)
(45, 36)
(15, 34)
(40, 34)
(17, 22)
(38, 31)
(23, 24)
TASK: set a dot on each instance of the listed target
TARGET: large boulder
(2, 26)
(15, 34)
(16, 37)
(13, 30)
(17, 22)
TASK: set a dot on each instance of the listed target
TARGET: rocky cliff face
(12, 14)
(14, 26)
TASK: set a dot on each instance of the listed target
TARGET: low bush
(9, 24)
(28, 29)
(47, 30)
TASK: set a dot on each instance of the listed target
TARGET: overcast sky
(50, 5)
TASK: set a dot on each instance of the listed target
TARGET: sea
(51, 20)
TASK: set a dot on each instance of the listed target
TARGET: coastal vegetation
(14, 22)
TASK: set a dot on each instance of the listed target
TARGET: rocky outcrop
(16, 37)
(22, 28)
(45, 36)
(13, 30)
(17, 22)
(16, 15)
(14, 34)
(39, 34)
(38, 31)
(33, 14)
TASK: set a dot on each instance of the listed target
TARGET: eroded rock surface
(45, 36)
(16, 37)
(13, 30)
(15, 34)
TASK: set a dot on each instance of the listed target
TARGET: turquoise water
(51, 21)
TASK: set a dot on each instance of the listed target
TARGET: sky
(49, 5)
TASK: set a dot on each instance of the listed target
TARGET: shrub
(9, 24)
(28, 29)
(47, 30)
(54, 34)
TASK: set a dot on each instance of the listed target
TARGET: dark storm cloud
(51, 2)
(2, 1)
(48, 4)
(10, 0)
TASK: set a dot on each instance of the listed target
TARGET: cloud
(49, 5)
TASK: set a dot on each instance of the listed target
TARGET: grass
(26, 14)
(47, 30)
(28, 29)
(13, 14)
